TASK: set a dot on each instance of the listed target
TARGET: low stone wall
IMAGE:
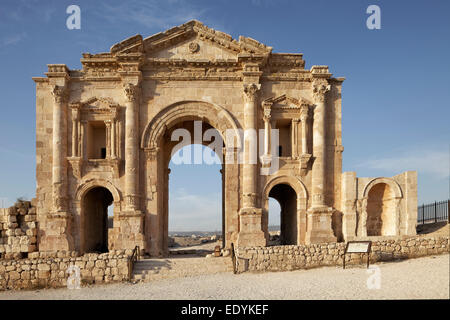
(18, 230)
(292, 257)
(42, 269)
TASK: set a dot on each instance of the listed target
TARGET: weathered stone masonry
(291, 257)
(103, 137)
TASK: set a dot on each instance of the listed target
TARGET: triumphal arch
(105, 135)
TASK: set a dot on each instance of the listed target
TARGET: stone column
(57, 224)
(75, 122)
(267, 157)
(250, 233)
(250, 145)
(320, 88)
(304, 121)
(319, 227)
(108, 138)
(59, 169)
(113, 139)
(83, 138)
(131, 147)
(294, 137)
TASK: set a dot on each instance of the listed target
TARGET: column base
(251, 233)
(319, 228)
(56, 233)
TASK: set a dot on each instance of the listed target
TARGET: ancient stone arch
(92, 183)
(301, 203)
(387, 204)
(394, 185)
(217, 116)
(168, 80)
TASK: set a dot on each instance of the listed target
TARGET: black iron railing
(433, 212)
(133, 258)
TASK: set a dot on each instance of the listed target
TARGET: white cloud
(13, 39)
(194, 212)
(432, 162)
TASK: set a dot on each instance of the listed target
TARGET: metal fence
(433, 212)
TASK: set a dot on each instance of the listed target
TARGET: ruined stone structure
(103, 136)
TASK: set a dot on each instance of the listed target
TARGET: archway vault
(217, 116)
(390, 182)
(87, 185)
(301, 204)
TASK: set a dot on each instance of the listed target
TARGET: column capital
(132, 91)
(250, 90)
(60, 94)
(267, 114)
(320, 88)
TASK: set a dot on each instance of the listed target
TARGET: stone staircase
(149, 269)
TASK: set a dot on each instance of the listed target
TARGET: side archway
(381, 210)
(292, 195)
(92, 199)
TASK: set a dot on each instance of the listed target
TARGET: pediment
(285, 102)
(192, 40)
(95, 103)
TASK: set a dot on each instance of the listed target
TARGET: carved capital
(131, 91)
(304, 114)
(267, 114)
(250, 91)
(75, 113)
(60, 94)
(320, 88)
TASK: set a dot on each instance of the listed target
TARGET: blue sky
(395, 99)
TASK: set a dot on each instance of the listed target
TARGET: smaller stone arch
(297, 218)
(381, 212)
(293, 182)
(390, 182)
(93, 183)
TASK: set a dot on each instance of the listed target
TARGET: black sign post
(358, 247)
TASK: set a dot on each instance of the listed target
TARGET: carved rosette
(320, 88)
(250, 91)
(60, 94)
(131, 91)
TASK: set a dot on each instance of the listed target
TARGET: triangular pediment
(95, 103)
(285, 102)
(192, 40)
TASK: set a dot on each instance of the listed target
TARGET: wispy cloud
(153, 13)
(13, 39)
(194, 212)
(431, 162)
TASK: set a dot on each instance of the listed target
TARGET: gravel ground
(422, 278)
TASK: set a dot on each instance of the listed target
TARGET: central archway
(159, 146)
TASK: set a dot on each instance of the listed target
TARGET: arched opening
(380, 211)
(194, 187)
(287, 198)
(95, 219)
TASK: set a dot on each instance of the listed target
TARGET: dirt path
(423, 278)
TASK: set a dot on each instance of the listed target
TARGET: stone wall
(42, 269)
(18, 228)
(286, 258)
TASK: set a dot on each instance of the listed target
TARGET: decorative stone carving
(131, 91)
(60, 94)
(250, 91)
(194, 47)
